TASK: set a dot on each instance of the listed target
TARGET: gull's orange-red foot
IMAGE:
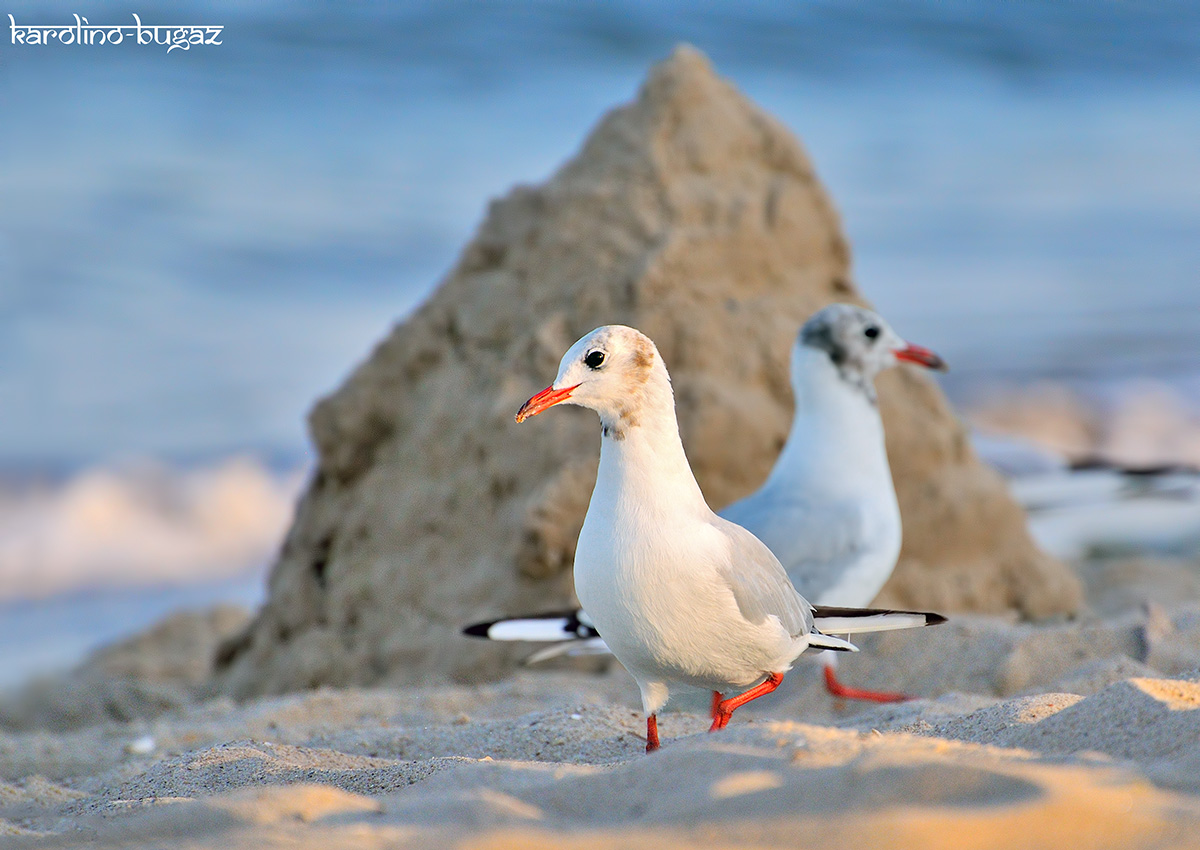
(651, 733)
(724, 709)
(837, 689)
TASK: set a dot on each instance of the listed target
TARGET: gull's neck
(836, 444)
(643, 465)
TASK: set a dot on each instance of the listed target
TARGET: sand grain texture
(384, 768)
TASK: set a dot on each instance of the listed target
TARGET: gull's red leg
(651, 733)
(716, 701)
(724, 709)
(845, 692)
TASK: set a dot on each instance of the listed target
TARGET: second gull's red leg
(846, 692)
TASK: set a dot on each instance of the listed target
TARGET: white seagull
(828, 509)
(681, 595)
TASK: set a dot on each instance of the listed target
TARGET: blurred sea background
(194, 246)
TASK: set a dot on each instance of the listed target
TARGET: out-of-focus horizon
(196, 245)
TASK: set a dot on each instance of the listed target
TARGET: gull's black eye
(871, 331)
(594, 359)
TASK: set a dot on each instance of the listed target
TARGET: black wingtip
(934, 619)
(479, 630)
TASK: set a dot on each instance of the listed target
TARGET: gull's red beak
(921, 356)
(545, 399)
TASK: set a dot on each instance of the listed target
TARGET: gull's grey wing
(759, 583)
(815, 542)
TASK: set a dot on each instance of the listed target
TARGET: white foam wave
(1144, 423)
(1031, 434)
(141, 524)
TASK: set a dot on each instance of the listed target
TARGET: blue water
(196, 245)
(40, 637)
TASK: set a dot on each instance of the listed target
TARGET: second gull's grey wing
(759, 583)
(815, 543)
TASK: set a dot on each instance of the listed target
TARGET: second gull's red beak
(543, 400)
(921, 356)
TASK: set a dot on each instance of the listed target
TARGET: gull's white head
(614, 370)
(859, 344)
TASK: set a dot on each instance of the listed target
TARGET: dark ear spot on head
(820, 337)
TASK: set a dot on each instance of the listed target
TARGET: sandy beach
(1082, 733)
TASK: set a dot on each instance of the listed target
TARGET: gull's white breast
(653, 583)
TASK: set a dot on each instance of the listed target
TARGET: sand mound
(692, 215)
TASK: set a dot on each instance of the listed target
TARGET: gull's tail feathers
(569, 633)
(572, 634)
(857, 621)
(538, 628)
